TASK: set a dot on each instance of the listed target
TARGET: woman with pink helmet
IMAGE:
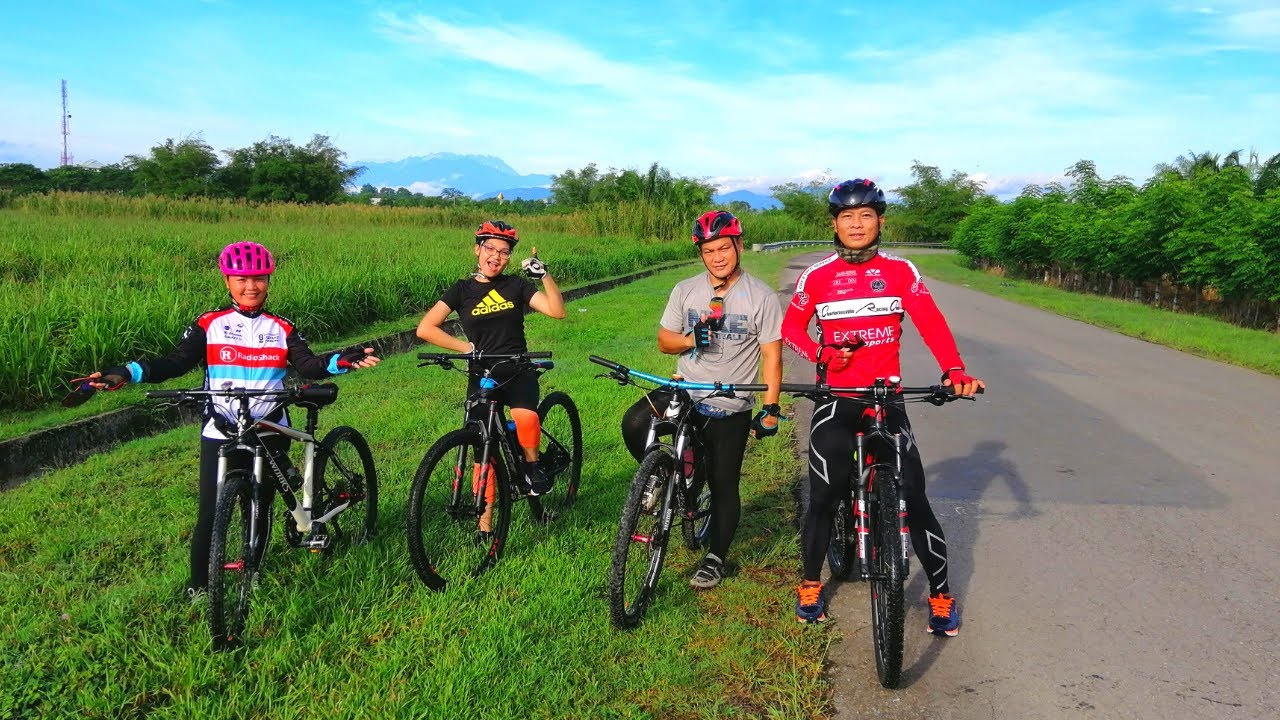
(241, 345)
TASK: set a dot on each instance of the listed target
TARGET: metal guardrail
(767, 247)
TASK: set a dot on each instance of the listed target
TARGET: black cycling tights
(240, 460)
(831, 449)
(724, 442)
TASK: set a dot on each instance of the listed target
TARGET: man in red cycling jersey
(859, 296)
(241, 346)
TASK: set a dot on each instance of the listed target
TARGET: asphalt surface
(1113, 520)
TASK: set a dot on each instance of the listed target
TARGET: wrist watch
(773, 409)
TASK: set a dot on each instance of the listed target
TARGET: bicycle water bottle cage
(317, 396)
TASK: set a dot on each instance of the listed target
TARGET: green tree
(114, 178)
(22, 178)
(573, 189)
(807, 202)
(932, 206)
(71, 178)
(277, 170)
(183, 169)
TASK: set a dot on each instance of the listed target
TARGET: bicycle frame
(244, 436)
(493, 429)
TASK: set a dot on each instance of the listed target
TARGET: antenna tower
(66, 126)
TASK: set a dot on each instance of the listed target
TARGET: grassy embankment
(92, 560)
(1206, 337)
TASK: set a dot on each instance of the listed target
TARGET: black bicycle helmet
(856, 193)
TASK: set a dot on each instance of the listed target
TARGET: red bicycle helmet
(496, 230)
(716, 224)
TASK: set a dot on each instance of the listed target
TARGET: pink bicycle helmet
(246, 258)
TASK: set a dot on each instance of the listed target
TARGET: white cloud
(427, 188)
(1018, 94)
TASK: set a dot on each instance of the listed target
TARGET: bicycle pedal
(316, 543)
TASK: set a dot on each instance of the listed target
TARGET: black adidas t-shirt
(492, 313)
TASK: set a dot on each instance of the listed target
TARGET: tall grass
(77, 294)
(88, 280)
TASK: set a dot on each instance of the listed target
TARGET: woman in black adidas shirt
(491, 308)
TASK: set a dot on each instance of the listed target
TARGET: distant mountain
(429, 174)
(524, 193)
(754, 199)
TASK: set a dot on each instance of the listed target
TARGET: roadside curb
(31, 455)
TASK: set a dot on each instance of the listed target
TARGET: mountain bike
(462, 495)
(869, 534)
(337, 477)
(669, 482)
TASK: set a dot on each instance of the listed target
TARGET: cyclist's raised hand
(358, 359)
(702, 331)
(965, 385)
(534, 267)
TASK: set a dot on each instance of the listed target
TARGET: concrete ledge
(25, 457)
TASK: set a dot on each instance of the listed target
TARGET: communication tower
(66, 127)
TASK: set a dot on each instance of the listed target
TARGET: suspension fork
(861, 521)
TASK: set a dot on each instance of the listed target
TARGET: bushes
(1208, 239)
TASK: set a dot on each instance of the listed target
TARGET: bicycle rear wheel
(641, 544)
(888, 575)
(346, 477)
(559, 454)
(842, 551)
(232, 563)
(695, 518)
(458, 512)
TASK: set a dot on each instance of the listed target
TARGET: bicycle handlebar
(672, 384)
(230, 392)
(810, 390)
(478, 355)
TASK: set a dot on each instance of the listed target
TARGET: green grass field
(1206, 337)
(93, 559)
(77, 294)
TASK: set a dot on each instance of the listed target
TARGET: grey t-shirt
(752, 317)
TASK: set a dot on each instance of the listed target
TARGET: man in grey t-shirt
(725, 325)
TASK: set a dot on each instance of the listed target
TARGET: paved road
(1113, 516)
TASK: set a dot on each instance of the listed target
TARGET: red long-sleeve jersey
(867, 301)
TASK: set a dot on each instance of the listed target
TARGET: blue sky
(748, 94)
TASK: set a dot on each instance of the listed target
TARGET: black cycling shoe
(539, 483)
(709, 573)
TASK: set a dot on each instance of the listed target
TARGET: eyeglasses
(493, 250)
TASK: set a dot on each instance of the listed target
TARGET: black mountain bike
(460, 503)
(665, 484)
(869, 534)
(337, 477)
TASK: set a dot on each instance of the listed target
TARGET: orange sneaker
(944, 615)
(811, 603)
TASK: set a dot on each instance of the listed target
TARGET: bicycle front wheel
(232, 562)
(346, 479)
(559, 454)
(641, 544)
(888, 575)
(458, 512)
